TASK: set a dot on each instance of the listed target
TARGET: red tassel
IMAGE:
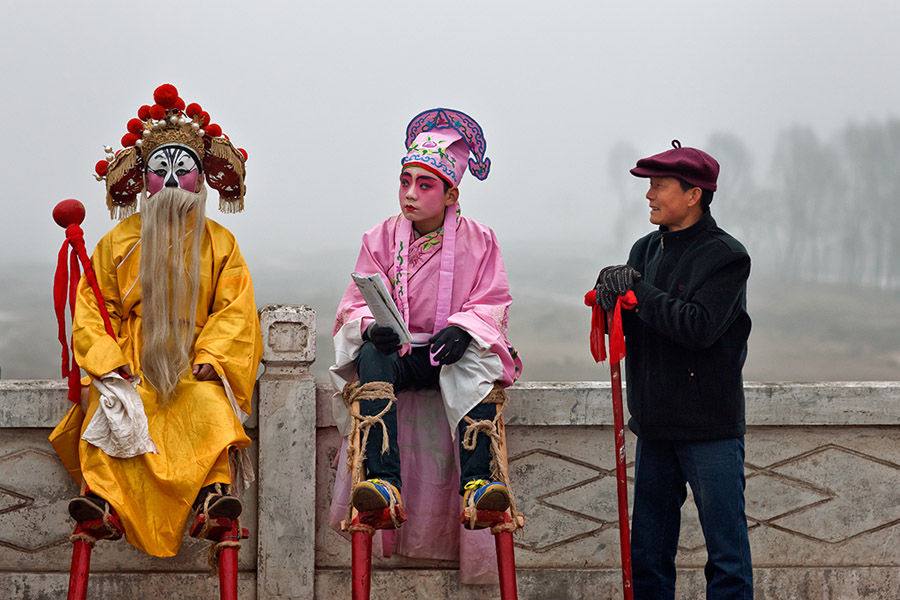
(60, 283)
(616, 334)
(598, 326)
(69, 214)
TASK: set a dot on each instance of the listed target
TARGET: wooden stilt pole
(621, 479)
(81, 566)
(228, 564)
(506, 565)
(361, 567)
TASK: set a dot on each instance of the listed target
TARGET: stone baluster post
(287, 454)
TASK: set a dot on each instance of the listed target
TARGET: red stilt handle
(506, 565)
(81, 566)
(621, 480)
(228, 564)
(361, 569)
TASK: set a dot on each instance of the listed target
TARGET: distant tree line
(829, 210)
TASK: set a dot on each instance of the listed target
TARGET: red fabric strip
(599, 323)
(60, 282)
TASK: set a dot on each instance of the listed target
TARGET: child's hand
(385, 339)
(449, 344)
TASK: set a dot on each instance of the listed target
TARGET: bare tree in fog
(740, 205)
(869, 234)
(809, 187)
(631, 218)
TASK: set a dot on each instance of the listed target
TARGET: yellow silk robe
(195, 428)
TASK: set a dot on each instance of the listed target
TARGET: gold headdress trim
(180, 133)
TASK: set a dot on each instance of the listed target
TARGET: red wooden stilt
(361, 567)
(621, 480)
(228, 564)
(506, 565)
(81, 566)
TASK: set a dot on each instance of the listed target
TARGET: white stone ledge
(768, 404)
(38, 403)
(42, 403)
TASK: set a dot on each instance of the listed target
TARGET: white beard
(173, 222)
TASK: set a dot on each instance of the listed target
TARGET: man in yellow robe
(180, 301)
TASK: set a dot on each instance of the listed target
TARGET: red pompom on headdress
(193, 109)
(213, 130)
(100, 167)
(166, 95)
(203, 118)
(157, 112)
(144, 113)
(179, 104)
(243, 153)
(129, 139)
(135, 126)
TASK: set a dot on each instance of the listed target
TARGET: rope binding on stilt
(358, 437)
(212, 554)
(494, 429)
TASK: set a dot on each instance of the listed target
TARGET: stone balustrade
(823, 495)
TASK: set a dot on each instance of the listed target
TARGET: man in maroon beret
(686, 342)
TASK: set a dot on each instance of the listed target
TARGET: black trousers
(413, 371)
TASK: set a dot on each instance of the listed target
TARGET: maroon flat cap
(692, 165)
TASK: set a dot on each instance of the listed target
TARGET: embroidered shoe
(374, 494)
(486, 495)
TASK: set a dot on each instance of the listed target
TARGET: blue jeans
(715, 472)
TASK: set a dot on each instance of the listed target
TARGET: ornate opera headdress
(170, 122)
(440, 140)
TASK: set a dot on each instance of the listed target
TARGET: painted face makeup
(422, 198)
(172, 166)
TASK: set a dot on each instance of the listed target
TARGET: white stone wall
(823, 495)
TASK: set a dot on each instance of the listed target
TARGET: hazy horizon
(569, 95)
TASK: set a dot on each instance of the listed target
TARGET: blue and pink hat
(440, 141)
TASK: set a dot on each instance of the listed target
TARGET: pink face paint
(422, 198)
(154, 183)
(189, 181)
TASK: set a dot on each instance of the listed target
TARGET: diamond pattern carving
(38, 520)
(11, 501)
(544, 473)
(816, 495)
(596, 499)
(768, 497)
(855, 480)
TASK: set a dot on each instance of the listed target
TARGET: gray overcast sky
(319, 93)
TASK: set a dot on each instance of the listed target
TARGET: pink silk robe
(427, 420)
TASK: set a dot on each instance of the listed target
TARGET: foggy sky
(319, 93)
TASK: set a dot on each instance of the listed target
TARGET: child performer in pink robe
(447, 278)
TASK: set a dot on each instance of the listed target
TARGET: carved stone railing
(823, 495)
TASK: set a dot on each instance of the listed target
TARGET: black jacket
(686, 341)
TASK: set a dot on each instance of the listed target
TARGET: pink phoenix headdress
(441, 139)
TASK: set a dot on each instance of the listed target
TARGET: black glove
(385, 339)
(618, 279)
(606, 300)
(614, 281)
(449, 344)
